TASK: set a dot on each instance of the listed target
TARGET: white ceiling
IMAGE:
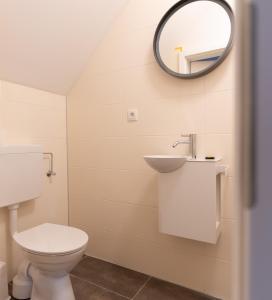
(45, 44)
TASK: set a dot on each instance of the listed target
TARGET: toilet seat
(52, 239)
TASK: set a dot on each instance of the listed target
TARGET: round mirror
(194, 37)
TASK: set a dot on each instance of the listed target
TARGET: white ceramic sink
(165, 163)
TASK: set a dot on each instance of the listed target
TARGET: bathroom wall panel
(221, 79)
(113, 193)
(219, 110)
(136, 43)
(229, 209)
(220, 145)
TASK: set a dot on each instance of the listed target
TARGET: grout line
(100, 286)
(84, 257)
(124, 69)
(67, 164)
(141, 288)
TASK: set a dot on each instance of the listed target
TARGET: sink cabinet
(190, 201)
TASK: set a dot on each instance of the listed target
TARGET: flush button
(132, 115)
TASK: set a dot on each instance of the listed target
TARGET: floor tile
(87, 291)
(161, 290)
(112, 277)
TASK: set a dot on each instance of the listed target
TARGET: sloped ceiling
(45, 44)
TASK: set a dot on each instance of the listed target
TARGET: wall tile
(225, 246)
(129, 187)
(134, 16)
(223, 78)
(219, 286)
(35, 121)
(176, 115)
(151, 82)
(84, 152)
(229, 208)
(124, 51)
(219, 112)
(20, 93)
(220, 145)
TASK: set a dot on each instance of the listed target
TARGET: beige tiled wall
(30, 116)
(113, 194)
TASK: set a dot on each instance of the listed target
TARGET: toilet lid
(52, 239)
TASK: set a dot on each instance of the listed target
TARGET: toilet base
(30, 282)
(45, 286)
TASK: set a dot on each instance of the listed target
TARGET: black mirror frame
(163, 22)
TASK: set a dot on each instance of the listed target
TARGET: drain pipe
(22, 282)
(13, 219)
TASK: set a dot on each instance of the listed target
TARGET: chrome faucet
(191, 140)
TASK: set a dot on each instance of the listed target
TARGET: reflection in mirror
(194, 37)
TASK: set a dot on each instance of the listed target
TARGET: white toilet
(51, 250)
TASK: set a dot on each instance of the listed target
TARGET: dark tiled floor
(114, 278)
(94, 279)
(87, 291)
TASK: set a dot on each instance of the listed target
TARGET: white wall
(35, 117)
(113, 194)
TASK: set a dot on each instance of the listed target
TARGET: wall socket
(132, 115)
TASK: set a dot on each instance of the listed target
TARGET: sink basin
(165, 163)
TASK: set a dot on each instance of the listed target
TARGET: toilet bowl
(51, 252)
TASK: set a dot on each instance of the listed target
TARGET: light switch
(132, 115)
